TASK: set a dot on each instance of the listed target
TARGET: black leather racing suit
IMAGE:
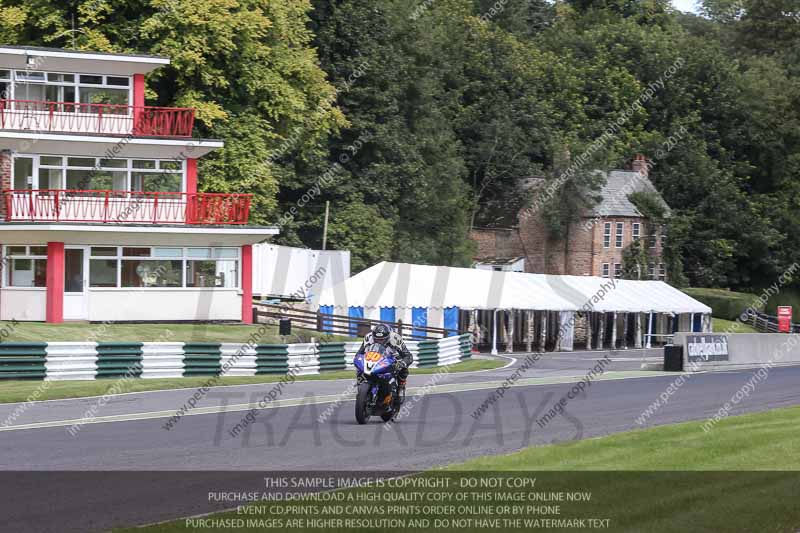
(395, 342)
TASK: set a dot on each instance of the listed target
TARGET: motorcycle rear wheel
(362, 414)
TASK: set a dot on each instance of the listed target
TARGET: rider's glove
(400, 365)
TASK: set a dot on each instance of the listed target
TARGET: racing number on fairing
(373, 357)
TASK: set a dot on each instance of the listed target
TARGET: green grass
(101, 332)
(669, 479)
(720, 325)
(761, 441)
(20, 391)
(724, 303)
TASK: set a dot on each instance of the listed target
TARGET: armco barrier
(71, 360)
(465, 345)
(449, 351)
(238, 359)
(272, 358)
(22, 360)
(162, 360)
(427, 353)
(202, 359)
(332, 356)
(718, 351)
(119, 359)
(149, 360)
(303, 358)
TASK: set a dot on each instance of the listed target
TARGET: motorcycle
(375, 380)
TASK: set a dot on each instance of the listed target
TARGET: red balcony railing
(110, 119)
(122, 207)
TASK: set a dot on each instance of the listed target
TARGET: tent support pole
(614, 331)
(494, 332)
(588, 330)
(544, 330)
(510, 332)
(649, 330)
(625, 330)
(529, 327)
(601, 341)
(637, 340)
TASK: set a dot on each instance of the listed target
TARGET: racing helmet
(381, 333)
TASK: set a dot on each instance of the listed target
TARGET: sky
(685, 5)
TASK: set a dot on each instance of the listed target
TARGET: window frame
(617, 270)
(8, 260)
(662, 272)
(64, 167)
(184, 258)
(619, 235)
(15, 80)
(636, 231)
(607, 235)
(606, 270)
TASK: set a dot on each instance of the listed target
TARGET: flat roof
(87, 233)
(87, 62)
(92, 144)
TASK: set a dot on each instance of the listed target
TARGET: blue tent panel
(327, 324)
(697, 322)
(354, 312)
(387, 314)
(419, 318)
(451, 321)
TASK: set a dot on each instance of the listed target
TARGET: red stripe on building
(55, 282)
(247, 284)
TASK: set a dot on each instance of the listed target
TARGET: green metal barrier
(272, 359)
(202, 359)
(23, 360)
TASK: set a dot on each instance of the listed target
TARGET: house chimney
(640, 165)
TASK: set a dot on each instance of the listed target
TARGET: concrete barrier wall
(151, 360)
(718, 351)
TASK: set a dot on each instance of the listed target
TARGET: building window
(662, 272)
(617, 270)
(98, 174)
(652, 240)
(605, 270)
(636, 231)
(158, 267)
(663, 235)
(651, 270)
(27, 266)
(607, 235)
(620, 230)
(73, 93)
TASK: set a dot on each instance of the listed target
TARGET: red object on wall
(55, 283)
(247, 284)
(191, 176)
(785, 319)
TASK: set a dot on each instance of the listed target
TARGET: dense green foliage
(426, 116)
(729, 305)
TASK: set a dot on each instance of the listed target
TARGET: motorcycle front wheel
(362, 414)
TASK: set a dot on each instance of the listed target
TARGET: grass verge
(103, 332)
(720, 325)
(20, 391)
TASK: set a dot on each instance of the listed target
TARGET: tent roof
(405, 285)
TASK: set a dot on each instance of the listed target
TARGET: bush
(723, 303)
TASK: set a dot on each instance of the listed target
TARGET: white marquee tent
(400, 291)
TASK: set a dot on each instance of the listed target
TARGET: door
(76, 283)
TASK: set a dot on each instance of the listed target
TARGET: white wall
(23, 304)
(285, 271)
(166, 304)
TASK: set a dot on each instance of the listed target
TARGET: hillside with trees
(423, 116)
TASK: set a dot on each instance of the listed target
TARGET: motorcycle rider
(384, 335)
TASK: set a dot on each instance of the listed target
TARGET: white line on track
(331, 398)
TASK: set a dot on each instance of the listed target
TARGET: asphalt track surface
(159, 474)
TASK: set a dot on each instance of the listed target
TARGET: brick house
(593, 245)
